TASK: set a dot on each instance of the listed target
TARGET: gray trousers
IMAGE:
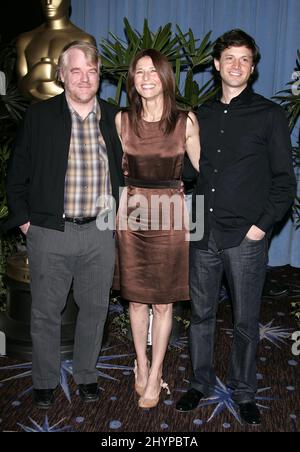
(85, 256)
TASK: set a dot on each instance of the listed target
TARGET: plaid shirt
(87, 175)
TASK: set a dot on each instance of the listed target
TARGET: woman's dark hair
(166, 75)
(236, 38)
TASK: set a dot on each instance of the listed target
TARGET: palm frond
(290, 98)
(290, 101)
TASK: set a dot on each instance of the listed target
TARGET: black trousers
(245, 268)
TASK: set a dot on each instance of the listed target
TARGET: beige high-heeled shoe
(151, 403)
(138, 388)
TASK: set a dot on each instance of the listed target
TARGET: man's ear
(217, 64)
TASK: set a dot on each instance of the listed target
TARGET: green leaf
(188, 89)
(119, 91)
(147, 38)
(177, 70)
(132, 36)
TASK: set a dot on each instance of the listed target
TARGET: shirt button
(215, 171)
(222, 131)
(211, 210)
(225, 111)
(219, 151)
(213, 190)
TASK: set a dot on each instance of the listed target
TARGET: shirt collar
(95, 110)
(243, 98)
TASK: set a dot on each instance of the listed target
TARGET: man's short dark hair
(236, 38)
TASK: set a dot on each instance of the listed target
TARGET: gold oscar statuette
(38, 50)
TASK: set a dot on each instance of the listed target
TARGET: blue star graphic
(45, 428)
(67, 370)
(275, 334)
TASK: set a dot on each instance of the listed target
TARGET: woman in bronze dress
(152, 226)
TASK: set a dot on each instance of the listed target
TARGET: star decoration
(275, 334)
(67, 370)
(45, 428)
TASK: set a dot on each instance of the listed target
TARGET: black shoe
(273, 289)
(43, 398)
(249, 413)
(189, 401)
(89, 393)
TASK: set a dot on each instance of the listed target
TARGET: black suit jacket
(38, 165)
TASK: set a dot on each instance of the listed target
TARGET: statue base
(15, 321)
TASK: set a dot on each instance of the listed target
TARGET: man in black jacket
(248, 183)
(64, 173)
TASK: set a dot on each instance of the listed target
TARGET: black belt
(80, 220)
(175, 183)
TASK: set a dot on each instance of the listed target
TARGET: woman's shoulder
(123, 122)
(192, 118)
(123, 114)
(184, 117)
(186, 114)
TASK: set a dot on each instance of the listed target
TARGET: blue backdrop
(275, 25)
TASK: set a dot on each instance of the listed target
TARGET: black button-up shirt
(246, 170)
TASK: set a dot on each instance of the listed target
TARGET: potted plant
(187, 54)
(12, 107)
(290, 100)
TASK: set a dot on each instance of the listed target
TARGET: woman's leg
(161, 330)
(139, 320)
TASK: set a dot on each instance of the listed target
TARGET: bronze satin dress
(152, 265)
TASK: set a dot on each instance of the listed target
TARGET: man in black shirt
(248, 183)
